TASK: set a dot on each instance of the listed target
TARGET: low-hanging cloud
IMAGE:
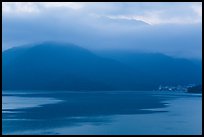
(171, 28)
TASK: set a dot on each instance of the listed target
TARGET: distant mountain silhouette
(159, 68)
(125, 22)
(62, 66)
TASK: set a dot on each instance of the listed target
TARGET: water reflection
(76, 109)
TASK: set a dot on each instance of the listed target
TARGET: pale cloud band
(173, 28)
(152, 13)
(35, 7)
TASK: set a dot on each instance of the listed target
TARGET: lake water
(107, 113)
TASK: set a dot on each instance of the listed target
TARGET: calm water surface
(108, 112)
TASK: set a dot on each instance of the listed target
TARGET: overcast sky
(171, 28)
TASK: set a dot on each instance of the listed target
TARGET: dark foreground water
(105, 112)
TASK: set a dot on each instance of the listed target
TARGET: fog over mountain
(62, 66)
(102, 68)
(116, 46)
(173, 29)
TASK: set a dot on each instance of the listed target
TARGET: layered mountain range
(64, 66)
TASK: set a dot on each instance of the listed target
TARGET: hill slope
(62, 66)
(57, 66)
(158, 68)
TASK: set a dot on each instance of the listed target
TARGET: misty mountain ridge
(122, 21)
(65, 66)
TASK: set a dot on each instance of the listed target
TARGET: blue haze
(91, 28)
(91, 68)
(106, 113)
(64, 66)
